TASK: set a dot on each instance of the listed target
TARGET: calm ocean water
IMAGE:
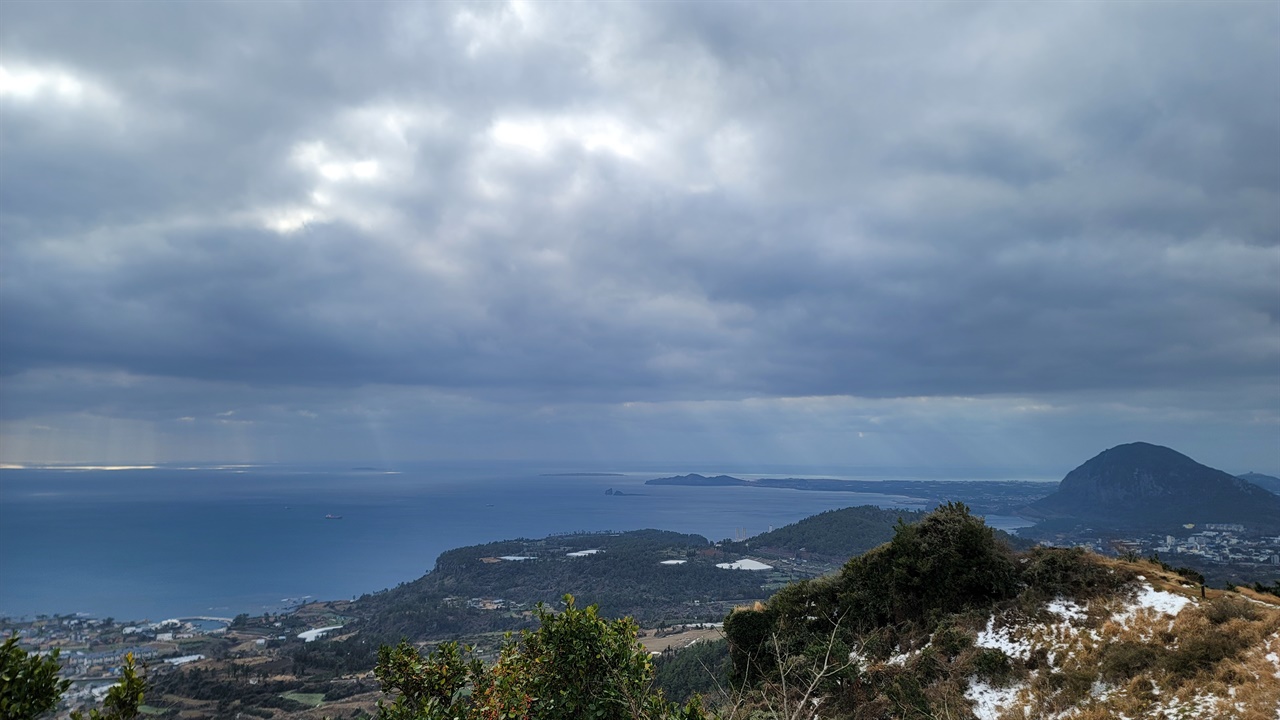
(167, 542)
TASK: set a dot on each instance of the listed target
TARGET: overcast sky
(952, 234)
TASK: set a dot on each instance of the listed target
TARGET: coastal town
(93, 650)
(254, 651)
(1223, 552)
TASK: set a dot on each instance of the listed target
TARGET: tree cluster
(575, 665)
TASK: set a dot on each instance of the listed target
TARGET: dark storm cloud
(549, 203)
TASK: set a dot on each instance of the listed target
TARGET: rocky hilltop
(1140, 485)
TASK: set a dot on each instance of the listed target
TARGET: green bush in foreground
(29, 684)
(575, 665)
(30, 687)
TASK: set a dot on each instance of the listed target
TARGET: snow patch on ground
(1068, 628)
(1151, 603)
(1201, 706)
(858, 659)
(1067, 609)
(1062, 634)
(1101, 691)
(1004, 640)
(863, 662)
(1160, 601)
(989, 702)
(1273, 657)
(900, 659)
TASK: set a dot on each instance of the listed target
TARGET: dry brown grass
(1214, 659)
(1211, 660)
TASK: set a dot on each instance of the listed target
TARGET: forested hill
(654, 576)
(491, 587)
(839, 533)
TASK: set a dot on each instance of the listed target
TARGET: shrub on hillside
(1124, 660)
(1070, 572)
(951, 640)
(1229, 607)
(948, 562)
(1202, 651)
(748, 631)
(816, 634)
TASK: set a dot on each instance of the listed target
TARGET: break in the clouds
(847, 232)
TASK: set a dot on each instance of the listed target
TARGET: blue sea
(216, 541)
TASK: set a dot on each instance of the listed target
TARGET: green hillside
(839, 533)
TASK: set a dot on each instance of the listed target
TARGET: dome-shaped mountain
(1145, 485)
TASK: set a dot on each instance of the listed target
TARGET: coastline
(393, 529)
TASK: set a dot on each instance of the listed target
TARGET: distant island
(582, 474)
(999, 497)
(819, 484)
(1266, 482)
(834, 485)
(702, 480)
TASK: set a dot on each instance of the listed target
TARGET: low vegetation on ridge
(945, 621)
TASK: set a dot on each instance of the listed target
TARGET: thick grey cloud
(531, 211)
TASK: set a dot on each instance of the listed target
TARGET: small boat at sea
(332, 517)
